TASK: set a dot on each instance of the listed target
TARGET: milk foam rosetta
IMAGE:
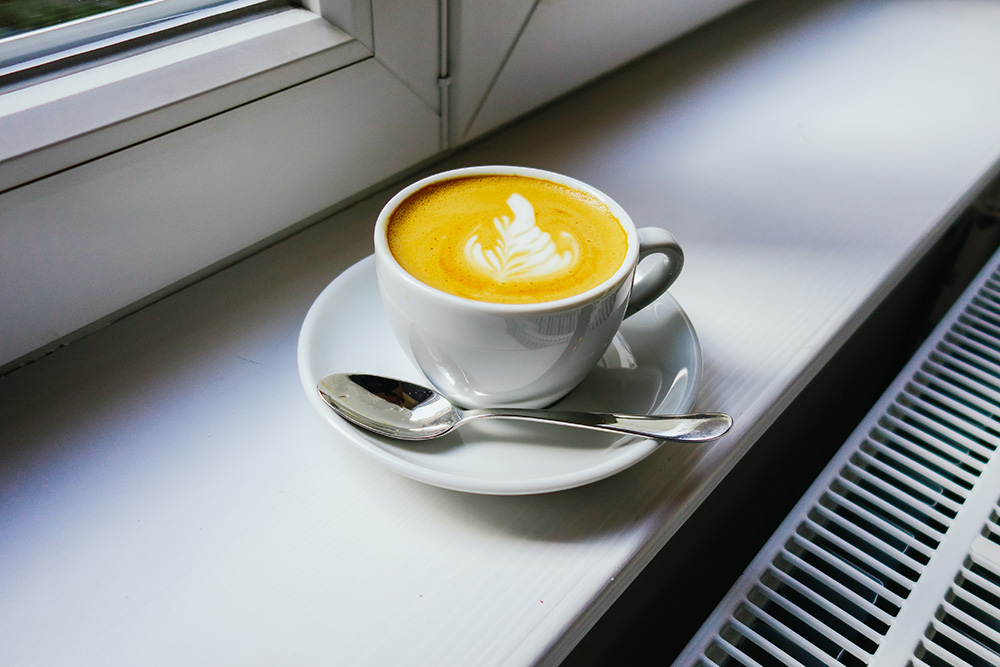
(506, 239)
(521, 249)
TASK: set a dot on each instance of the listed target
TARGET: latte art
(522, 249)
(506, 238)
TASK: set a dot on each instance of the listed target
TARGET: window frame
(55, 123)
(202, 100)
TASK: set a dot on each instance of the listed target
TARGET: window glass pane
(17, 16)
(30, 29)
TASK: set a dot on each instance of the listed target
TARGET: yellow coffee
(506, 238)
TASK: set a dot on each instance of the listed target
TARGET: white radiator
(893, 555)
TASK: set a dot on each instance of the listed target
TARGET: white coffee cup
(483, 354)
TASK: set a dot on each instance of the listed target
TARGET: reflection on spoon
(407, 411)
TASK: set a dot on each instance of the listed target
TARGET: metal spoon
(408, 411)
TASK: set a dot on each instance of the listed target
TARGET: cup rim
(388, 261)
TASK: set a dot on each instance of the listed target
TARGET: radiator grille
(859, 572)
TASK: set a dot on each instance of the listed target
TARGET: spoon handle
(686, 428)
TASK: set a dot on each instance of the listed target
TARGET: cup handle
(648, 288)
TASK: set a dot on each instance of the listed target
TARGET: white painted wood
(167, 496)
(89, 241)
(563, 45)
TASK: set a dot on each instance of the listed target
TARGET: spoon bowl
(407, 411)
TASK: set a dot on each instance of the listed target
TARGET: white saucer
(654, 365)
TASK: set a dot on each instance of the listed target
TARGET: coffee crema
(506, 238)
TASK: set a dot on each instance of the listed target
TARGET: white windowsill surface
(168, 496)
